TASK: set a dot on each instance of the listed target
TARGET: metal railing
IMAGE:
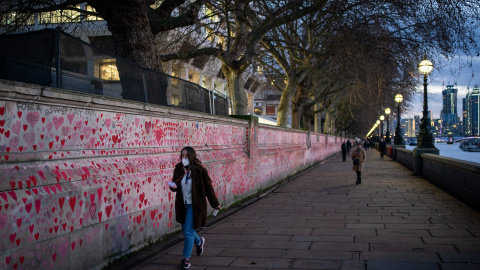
(55, 59)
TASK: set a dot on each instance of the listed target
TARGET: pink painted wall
(83, 178)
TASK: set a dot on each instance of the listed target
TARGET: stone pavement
(322, 220)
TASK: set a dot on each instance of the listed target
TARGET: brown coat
(362, 156)
(201, 188)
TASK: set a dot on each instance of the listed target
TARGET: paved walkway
(322, 220)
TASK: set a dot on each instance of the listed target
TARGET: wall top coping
(24, 92)
(472, 167)
(405, 150)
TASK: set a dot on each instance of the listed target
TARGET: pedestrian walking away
(344, 151)
(349, 146)
(359, 156)
(192, 184)
(382, 147)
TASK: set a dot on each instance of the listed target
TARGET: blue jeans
(189, 234)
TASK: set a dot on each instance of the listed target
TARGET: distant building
(437, 127)
(449, 111)
(471, 113)
(410, 130)
(417, 122)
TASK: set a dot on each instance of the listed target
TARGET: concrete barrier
(83, 177)
(405, 157)
(457, 177)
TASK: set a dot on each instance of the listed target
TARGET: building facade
(471, 113)
(449, 115)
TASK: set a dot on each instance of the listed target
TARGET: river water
(454, 151)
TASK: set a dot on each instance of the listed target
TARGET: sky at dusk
(457, 70)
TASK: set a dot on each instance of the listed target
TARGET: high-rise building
(466, 123)
(449, 111)
(410, 128)
(471, 115)
(417, 123)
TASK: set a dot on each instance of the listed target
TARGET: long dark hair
(192, 156)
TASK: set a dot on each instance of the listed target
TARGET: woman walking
(359, 156)
(192, 184)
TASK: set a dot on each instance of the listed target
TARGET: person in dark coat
(382, 147)
(349, 146)
(192, 184)
(344, 151)
(365, 145)
(361, 155)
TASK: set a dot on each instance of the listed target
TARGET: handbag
(356, 161)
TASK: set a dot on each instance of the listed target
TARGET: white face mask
(185, 162)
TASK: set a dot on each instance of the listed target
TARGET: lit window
(175, 99)
(60, 16)
(91, 17)
(16, 19)
(108, 71)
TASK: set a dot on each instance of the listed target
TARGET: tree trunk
(297, 108)
(308, 121)
(285, 106)
(128, 22)
(296, 115)
(328, 123)
(236, 90)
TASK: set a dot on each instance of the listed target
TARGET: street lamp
(378, 125)
(381, 126)
(387, 112)
(398, 135)
(425, 138)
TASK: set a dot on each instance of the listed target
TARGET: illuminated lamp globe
(425, 67)
(398, 98)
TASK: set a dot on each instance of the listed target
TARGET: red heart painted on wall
(108, 210)
(12, 237)
(61, 201)
(38, 204)
(72, 202)
(92, 210)
(28, 207)
(148, 125)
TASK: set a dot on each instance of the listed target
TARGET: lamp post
(378, 124)
(425, 138)
(381, 126)
(398, 135)
(387, 139)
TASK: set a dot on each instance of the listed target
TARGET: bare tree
(132, 23)
(244, 24)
